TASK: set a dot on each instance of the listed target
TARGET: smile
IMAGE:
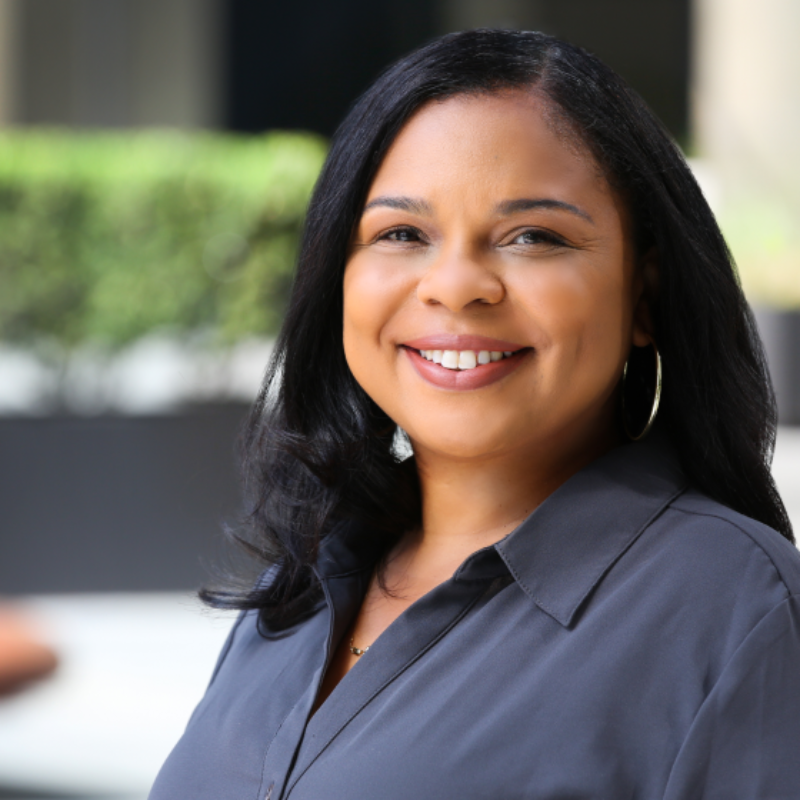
(463, 369)
(464, 359)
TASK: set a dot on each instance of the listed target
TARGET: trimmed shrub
(107, 237)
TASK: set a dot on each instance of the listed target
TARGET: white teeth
(467, 359)
(450, 359)
(462, 359)
(506, 353)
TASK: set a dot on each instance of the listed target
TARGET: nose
(459, 279)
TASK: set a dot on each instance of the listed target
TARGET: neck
(472, 503)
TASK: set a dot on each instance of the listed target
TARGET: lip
(451, 341)
(468, 379)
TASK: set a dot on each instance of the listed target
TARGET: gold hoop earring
(656, 399)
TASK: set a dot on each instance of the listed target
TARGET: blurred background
(156, 157)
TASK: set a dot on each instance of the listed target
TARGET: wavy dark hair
(319, 451)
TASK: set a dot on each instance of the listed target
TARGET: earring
(655, 402)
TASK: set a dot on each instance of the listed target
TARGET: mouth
(465, 369)
(467, 359)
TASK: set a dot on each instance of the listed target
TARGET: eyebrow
(411, 204)
(416, 205)
(508, 207)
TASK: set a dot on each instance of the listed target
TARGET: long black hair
(318, 450)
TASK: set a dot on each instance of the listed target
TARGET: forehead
(504, 144)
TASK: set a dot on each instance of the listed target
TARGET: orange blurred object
(23, 657)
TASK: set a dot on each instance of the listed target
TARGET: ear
(646, 291)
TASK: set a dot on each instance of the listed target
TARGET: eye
(402, 235)
(537, 236)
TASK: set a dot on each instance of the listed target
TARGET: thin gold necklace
(357, 651)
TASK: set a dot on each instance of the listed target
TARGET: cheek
(372, 296)
(585, 313)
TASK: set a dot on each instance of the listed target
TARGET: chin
(456, 445)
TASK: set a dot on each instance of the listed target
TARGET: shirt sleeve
(744, 743)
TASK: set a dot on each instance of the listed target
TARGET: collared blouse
(631, 640)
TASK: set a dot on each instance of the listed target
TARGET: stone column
(8, 61)
(746, 121)
(746, 115)
(111, 63)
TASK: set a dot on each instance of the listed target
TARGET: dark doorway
(301, 64)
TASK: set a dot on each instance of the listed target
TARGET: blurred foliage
(106, 237)
(764, 236)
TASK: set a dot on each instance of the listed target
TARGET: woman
(502, 251)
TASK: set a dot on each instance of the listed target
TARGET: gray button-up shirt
(631, 639)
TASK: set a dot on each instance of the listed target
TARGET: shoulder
(749, 633)
(712, 576)
(718, 571)
(716, 534)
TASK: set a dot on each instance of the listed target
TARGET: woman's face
(491, 292)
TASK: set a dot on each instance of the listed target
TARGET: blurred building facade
(745, 112)
(746, 94)
(252, 65)
(110, 63)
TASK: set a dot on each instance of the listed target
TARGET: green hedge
(106, 237)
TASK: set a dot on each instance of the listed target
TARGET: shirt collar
(563, 549)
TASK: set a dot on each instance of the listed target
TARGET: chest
(468, 694)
